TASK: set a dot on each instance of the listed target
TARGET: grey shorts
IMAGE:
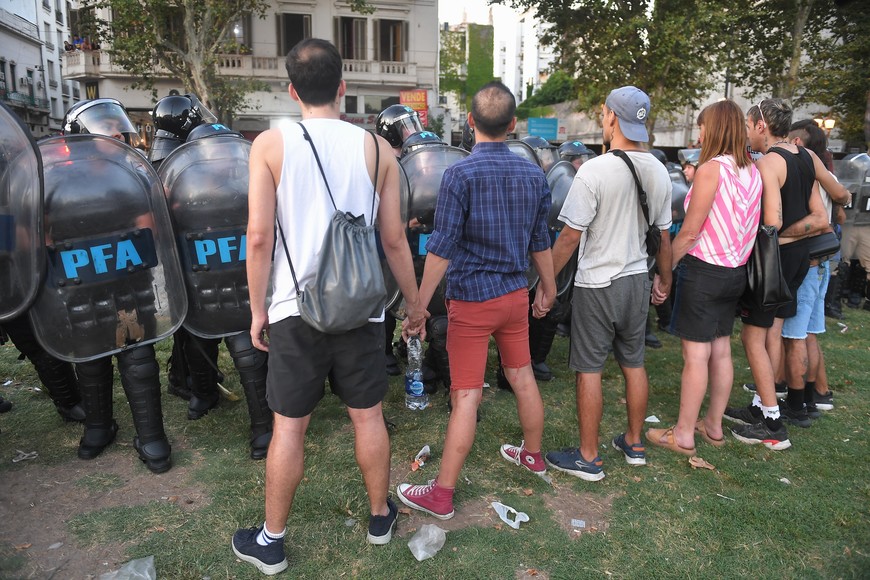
(301, 359)
(614, 316)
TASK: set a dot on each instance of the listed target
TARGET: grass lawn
(799, 513)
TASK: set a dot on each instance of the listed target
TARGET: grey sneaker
(761, 433)
(781, 388)
(744, 415)
(798, 417)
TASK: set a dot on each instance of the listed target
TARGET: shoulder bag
(653, 234)
(764, 276)
(348, 287)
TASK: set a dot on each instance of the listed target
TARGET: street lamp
(825, 123)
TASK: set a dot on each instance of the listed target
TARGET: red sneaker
(431, 498)
(534, 462)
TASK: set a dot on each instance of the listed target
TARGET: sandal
(665, 438)
(701, 430)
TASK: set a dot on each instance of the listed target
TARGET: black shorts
(795, 260)
(301, 359)
(706, 299)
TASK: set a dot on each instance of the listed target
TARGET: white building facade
(391, 50)
(32, 82)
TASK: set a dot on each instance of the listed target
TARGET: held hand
(260, 332)
(543, 302)
(660, 291)
(410, 328)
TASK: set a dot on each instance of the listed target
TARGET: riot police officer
(575, 153)
(89, 310)
(206, 184)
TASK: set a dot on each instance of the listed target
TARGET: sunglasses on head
(761, 114)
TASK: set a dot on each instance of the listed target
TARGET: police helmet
(396, 123)
(571, 149)
(660, 155)
(547, 153)
(179, 114)
(689, 156)
(467, 142)
(420, 139)
(101, 117)
(210, 130)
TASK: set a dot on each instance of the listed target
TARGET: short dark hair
(314, 68)
(775, 113)
(812, 136)
(492, 109)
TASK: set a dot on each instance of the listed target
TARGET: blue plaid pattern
(491, 212)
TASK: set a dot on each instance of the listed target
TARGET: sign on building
(548, 128)
(418, 100)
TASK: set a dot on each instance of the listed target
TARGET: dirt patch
(531, 574)
(578, 512)
(36, 502)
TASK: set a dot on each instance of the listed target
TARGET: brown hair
(724, 132)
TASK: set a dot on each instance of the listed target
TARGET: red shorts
(470, 324)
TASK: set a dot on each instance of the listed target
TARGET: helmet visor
(407, 126)
(111, 120)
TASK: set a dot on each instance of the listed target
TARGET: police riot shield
(853, 171)
(21, 247)
(394, 293)
(113, 276)
(559, 179)
(425, 167)
(523, 150)
(206, 184)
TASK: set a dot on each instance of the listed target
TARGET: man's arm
(771, 166)
(393, 240)
(813, 223)
(835, 189)
(662, 281)
(260, 237)
(563, 249)
(545, 293)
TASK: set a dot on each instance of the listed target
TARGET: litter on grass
(509, 515)
(421, 458)
(653, 419)
(24, 456)
(141, 569)
(579, 524)
(428, 540)
(785, 480)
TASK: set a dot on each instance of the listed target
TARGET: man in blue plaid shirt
(490, 218)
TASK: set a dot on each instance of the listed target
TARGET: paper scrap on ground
(578, 523)
(428, 540)
(421, 458)
(697, 462)
(785, 481)
(652, 419)
(506, 512)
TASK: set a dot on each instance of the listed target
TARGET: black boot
(252, 365)
(651, 339)
(201, 355)
(857, 282)
(176, 371)
(140, 376)
(96, 381)
(542, 332)
(833, 305)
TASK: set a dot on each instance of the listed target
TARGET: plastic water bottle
(415, 397)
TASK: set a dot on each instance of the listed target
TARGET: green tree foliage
(451, 59)
(558, 88)
(664, 47)
(480, 59)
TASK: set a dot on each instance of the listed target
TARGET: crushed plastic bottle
(415, 397)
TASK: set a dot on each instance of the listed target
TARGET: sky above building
(476, 11)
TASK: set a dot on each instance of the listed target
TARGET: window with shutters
(292, 28)
(391, 41)
(350, 36)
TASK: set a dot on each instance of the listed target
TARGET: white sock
(770, 412)
(756, 401)
(265, 537)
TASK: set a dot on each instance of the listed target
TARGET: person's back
(609, 210)
(499, 196)
(304, 204)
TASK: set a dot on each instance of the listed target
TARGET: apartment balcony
(25, 101)
(93, 64)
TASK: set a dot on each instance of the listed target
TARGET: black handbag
(823, 245)
(653, 235)
(764, 271)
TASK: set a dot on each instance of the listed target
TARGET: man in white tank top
(286, 184)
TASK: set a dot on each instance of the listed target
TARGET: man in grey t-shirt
(603, 216)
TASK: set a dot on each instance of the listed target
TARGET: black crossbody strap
(641, 193)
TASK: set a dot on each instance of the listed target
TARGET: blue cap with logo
(631, 106)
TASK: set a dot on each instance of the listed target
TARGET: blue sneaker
(268, 559)
(569, 460)
(635, 454)
(381, 527)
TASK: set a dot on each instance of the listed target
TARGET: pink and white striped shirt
(728, 233)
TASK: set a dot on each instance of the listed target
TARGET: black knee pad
(436, 329)
(138, 364)
(246, 357)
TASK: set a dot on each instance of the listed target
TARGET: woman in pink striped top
(723, 210)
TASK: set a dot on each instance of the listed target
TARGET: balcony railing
(58, 16)
(25, 100)
(18, 24)
(64, 89)
(49, 45)
(82, 64)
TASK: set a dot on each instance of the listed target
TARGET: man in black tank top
(792, 203)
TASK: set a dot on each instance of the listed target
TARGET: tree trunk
(789, 83)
